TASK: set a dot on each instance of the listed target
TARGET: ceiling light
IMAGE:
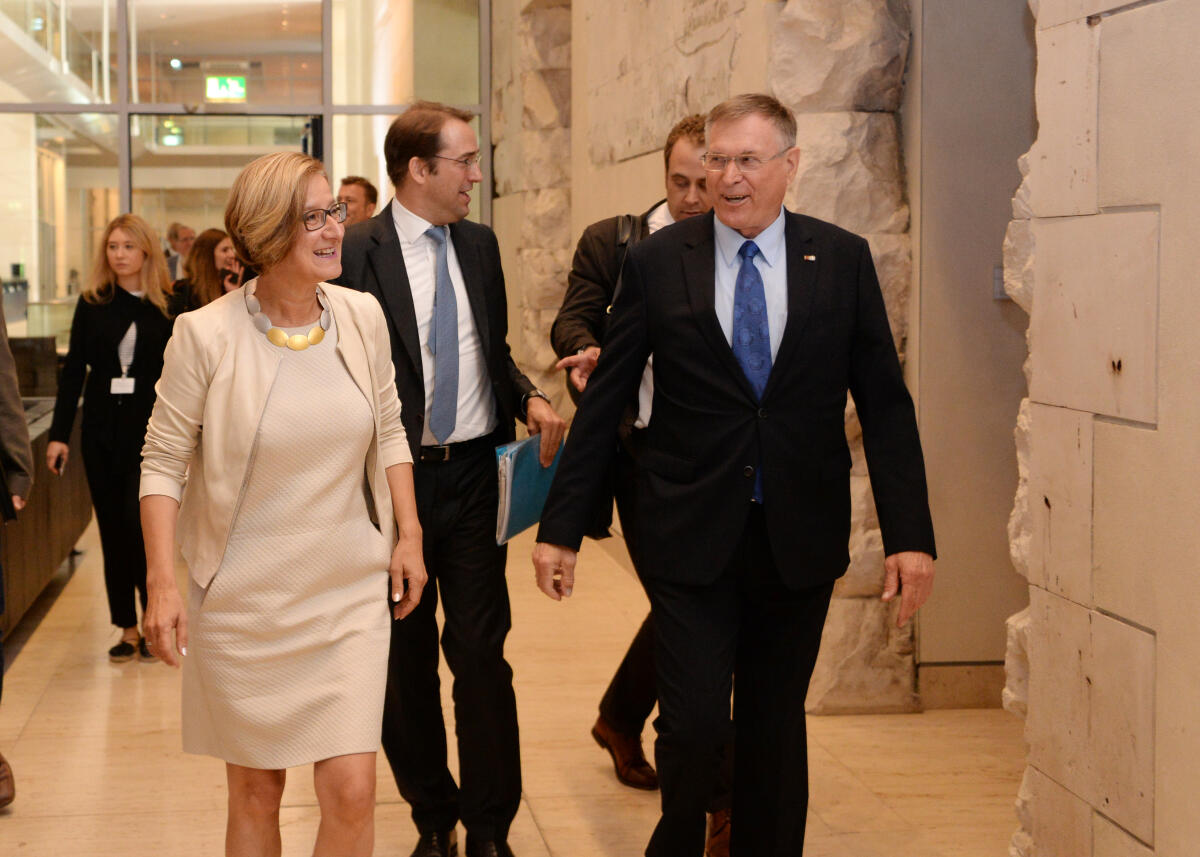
(176, 63)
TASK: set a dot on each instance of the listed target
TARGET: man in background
(180, 238)
(360, 197)
(576, 336)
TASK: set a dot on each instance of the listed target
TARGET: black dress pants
(456, 503)
(633, 691)
(750, 623)
(113, 477)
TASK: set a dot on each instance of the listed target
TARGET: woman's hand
(165, 614)
(407, 571)
(56, 456)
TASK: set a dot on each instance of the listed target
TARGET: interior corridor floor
(95, 748)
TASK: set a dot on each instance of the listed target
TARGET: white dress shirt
(476, 412)
(771, 262)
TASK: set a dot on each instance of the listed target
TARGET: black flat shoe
(144, 653)
(443, 844)
(122, 652)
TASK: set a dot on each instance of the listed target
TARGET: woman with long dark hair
(120, 329)
(210, 270)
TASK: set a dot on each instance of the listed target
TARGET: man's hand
(554, 567)
(542, 419)
(579, 366)
(910, 573)
(56, 456)
(18, 502)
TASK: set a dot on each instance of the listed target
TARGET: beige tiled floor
(95, 748)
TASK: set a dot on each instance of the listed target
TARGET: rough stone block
(1021, 209)
(849, 171)
(864, 577)
(848, 55)
(547, 99)
(1060, 507)
(1108, 840)
(1015, 696)
(1062, 161)
(685, 74)
(1018, 263)
(1094, 327)
(533, 160)
(547, 221)
(543, 279)
(866, 662)
(1020, 525)
(544, 39)
(893, 265)
(1061, 821)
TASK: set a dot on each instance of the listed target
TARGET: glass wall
(206, 87)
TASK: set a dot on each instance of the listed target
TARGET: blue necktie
(751, 333)
(443, 342)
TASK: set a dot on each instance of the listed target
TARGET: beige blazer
(217, 374)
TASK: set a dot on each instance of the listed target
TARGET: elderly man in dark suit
(760, 321)
(439, 280)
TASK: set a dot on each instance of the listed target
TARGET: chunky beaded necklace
(297, 341)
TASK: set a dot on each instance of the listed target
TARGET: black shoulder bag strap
(628, 234)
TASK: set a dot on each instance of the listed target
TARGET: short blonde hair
(154, 278)
(266, 207)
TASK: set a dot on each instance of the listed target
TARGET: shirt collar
(411, 227)
(770, 241)
(659, 217)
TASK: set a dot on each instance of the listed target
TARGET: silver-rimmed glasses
(314, 218)
(466, 163)
(716, 163)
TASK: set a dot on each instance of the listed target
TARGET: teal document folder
(524, 484)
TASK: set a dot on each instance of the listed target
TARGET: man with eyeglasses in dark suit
(439, 280)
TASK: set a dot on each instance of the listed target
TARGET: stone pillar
(840, 68)
(1102, 254)
(531, 128)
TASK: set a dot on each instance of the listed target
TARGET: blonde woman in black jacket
(120, 329)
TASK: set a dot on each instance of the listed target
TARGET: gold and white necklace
(276, 336)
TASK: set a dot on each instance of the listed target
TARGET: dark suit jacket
(594, 271)
(115, 423)
(373, 261)
(697, 463)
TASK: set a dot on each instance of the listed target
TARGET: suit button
(748, 472)
(762, 413)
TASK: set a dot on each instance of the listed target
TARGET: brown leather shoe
(719, 830)
(8, 789)
(628, 759)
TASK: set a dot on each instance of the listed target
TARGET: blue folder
(524, 484)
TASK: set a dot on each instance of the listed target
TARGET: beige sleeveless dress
(288, 645)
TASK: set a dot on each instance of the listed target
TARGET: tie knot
(748, 250)
(438, 234)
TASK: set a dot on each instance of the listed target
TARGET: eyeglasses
(314, 218)
(467, 162)
(715, 163)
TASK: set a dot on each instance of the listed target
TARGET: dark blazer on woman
(113, 423)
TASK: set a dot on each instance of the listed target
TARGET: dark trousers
(456, 502)
(633, 691)
(749, 623)
(113, 479)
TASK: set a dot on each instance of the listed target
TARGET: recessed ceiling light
(176, 63)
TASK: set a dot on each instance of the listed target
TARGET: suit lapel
(386, 259)
(801, 277)
(472, 272)
(699, 272)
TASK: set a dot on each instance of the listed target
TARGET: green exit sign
(225, 88)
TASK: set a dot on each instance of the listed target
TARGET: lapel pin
(810, 258)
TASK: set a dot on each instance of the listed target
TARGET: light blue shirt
(771, 262)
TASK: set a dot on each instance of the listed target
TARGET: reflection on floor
(95, 748)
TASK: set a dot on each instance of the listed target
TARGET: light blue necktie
(751, 333)
(443, 342)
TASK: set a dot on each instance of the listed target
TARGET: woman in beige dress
(276, 446)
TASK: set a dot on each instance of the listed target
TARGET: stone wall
(531, 133)
(1102, 254)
